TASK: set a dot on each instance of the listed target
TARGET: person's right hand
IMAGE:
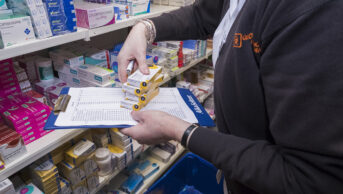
(133, 48)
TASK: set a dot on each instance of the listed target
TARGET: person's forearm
(197, 21)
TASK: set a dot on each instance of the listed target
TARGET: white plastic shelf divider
(183, 69)
(82, 33)
(39, 148)
(155, 10)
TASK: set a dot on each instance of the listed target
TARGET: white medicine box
(15, 30)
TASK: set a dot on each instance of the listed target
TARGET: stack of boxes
(25, 115)
(80, 168)
(45, 176)
(28, 64)
(121, 148)
(22, 78)
(140, 89)
(62, 16)
(51, 90)
(11, 144)
(95, 76)
(8, 79)
(38, 14)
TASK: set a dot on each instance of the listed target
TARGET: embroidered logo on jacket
(239, 38)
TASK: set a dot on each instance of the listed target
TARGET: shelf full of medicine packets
(104, 180)
(120, 178)
(38, 149)
(183, 69)
(81, 33)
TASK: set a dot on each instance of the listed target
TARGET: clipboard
(194, 105)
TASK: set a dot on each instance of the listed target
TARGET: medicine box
(11, 146)
(88, 83)
(90, 166)
(138, 79)
(79, 152)
(93, 15)
(5, 13)
(6, 187)
(96, 74)
(15, 30)
(60, 57)
(80, 188)
(3, 5)
(30, 188)
(97, 57)
(93, 182)
(74, 174)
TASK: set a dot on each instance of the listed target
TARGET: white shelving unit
(57, 138)
(183, 69)
(39, 148)
(81, 34)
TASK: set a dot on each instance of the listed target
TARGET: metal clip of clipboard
(61, 103)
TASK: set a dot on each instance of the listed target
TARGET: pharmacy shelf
(81, 34)
(183, 69)
(40, 44)
(163, 168)
(205, 97)
(104, 180)
(120, 178)
(39, 148)
(156, 10)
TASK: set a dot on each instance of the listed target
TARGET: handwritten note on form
(101, 106)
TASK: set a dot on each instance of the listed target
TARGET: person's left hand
(155, 127)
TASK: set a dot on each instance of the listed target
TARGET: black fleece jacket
(278, 93)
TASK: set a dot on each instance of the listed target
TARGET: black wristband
(187, 133)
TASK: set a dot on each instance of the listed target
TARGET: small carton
(96, 74)
(89, 165)
(15, 30)
(79, 152)
(138, 79)
(6, 187)
(80, 188)
(92, 15)
(131, 105)
(74, 174)
(11, 146)
(93, 182)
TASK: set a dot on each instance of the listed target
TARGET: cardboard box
(96, 74)
(15, 30)
(92, 15)
(79, 152)
(11, 146)
(6, 187)
(74, 174)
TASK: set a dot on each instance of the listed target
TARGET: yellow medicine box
(71, 172)
(131, 105)
(138, 79)
(79, 152)
(43, 169)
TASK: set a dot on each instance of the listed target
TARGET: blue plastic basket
(190, 170)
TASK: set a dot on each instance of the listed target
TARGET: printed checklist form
(101, 107)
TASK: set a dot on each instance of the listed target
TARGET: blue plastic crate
(190, 170)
